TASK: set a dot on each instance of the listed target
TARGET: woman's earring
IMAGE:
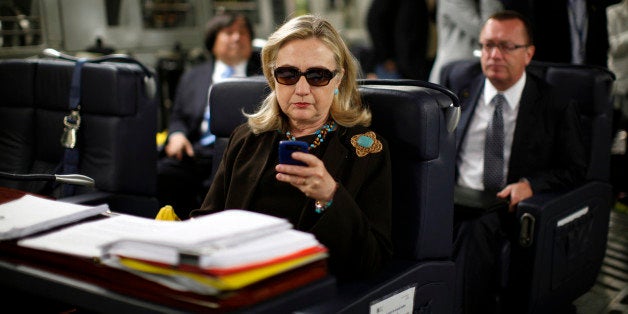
(336, 91)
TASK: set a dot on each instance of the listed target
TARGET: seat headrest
(106, 88)
(242, 95)
(397, 117)
(16, 77)
(579, 84)
(150, 83)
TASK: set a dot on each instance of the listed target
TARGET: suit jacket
(356, 228)
(547, 146)
(191, 97)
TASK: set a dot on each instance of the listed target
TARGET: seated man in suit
(187, 160)
(513, 140)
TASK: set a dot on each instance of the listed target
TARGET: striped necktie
(494, 147)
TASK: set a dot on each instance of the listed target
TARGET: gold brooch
(366, 143)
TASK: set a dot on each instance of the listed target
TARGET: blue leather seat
(417, 119)
(115, 140)
(562, 236)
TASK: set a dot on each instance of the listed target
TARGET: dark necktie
(494, 147)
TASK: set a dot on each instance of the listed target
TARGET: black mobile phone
(286, 148)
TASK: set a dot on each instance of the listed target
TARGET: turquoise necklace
(320, 134)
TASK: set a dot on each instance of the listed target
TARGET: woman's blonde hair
(346, 108)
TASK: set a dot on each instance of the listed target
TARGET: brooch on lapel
(366, 143)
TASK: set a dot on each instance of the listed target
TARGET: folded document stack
(217, 253)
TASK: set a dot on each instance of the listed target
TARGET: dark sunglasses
(314, 76)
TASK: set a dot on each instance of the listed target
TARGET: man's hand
(178, 145)
(516, 192)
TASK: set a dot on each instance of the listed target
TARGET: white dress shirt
(239, 70)
(471, 156)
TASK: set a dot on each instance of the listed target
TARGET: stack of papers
(31, 214)
(212, 254)
(231, 259)
(86, 239)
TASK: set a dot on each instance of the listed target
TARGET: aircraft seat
(115, 139)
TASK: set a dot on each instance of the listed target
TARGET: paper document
(30, 214)
(86, 239)
(240, 255)
(206, 233)
(211, 285)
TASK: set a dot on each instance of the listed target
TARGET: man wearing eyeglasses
(514, 140)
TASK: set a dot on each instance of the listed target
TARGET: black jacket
(356, 228)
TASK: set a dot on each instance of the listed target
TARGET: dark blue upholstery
(413, 116)
(116, 137)
(553, 265)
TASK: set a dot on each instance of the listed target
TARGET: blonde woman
(342, 193)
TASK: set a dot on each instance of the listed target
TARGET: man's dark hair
(514, 15)
(221, 21)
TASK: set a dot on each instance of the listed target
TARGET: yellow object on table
(167, 213)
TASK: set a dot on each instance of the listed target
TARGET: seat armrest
(561, 245)
(562, 209)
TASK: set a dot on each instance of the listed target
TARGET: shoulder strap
(71, 124)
